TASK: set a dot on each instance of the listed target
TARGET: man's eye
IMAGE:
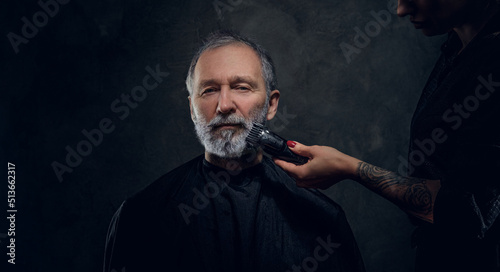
(242, 88)
(210, 90)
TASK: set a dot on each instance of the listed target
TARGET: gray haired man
(230, 209)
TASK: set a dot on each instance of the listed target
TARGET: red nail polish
(291, 144)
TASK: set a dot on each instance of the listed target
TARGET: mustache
(232, 119)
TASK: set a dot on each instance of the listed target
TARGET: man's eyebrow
(208, 82)
(245, 79)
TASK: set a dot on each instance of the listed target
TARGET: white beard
(227, 143)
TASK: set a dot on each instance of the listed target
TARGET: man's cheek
(198, 115)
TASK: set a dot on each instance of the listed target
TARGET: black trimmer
(273, 144)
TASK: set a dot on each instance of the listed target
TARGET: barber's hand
(326, 166)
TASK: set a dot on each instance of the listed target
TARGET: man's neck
(250, 158)
(470, 29)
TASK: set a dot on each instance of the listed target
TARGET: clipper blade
(255, 134)
(272, 144)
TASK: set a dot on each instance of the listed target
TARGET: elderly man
(232, 209)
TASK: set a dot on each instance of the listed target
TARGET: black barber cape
(200, 217)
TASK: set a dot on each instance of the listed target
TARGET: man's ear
(274, 98)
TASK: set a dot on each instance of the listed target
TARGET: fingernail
(291, 144)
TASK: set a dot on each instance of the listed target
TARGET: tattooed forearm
(411, 194)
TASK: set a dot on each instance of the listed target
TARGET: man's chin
(225, 156)
(247, 151)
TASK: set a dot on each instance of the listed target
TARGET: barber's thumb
(298, 148)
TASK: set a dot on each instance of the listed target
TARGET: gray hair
(223, 38)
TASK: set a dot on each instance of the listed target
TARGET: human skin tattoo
(411, 194)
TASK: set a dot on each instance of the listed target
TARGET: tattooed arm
(328, 166)
(415, 196)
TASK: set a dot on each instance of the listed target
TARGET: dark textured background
(65, 78)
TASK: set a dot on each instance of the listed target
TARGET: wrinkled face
(229, 94)
(435, 17)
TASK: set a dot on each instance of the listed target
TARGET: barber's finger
(287, 166)
(299, 148)
(293, 170)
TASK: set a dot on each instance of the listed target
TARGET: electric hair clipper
(273, 144)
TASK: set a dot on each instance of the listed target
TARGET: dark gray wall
(64, 79)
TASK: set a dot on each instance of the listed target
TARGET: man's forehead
(233, 61)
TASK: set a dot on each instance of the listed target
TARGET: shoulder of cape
(165, 187)
(307, 196)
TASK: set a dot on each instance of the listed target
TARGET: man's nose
(226, 102)
(405, 7)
